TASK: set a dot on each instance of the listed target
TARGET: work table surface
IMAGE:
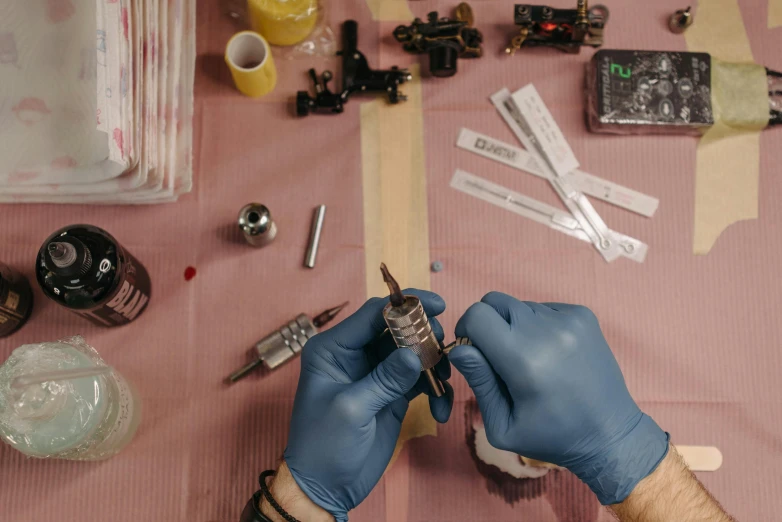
(696, 336)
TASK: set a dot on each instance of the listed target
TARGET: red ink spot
(19, 176)
(59, 10)
(190, 273)
(124, 16)
(30, 110)
(64, 162)
(119, 141)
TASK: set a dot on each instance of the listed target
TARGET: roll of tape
(250, 59)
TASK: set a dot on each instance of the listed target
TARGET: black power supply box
(643, 92)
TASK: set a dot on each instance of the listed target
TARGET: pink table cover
(697, 337)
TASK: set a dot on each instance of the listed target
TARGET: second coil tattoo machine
(564, 29)
(445, 40)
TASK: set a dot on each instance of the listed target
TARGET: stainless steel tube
(411, 329)
(315, 231)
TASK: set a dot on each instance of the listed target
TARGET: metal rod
(315, 232)
(436, 385)
(245, 370)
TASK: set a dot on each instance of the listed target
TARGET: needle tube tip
(397, 298)
(328, 315)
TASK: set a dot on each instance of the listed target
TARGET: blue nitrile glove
(549, 388)
(353, 393)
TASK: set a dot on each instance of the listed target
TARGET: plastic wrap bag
(298, 25)
(60, 400)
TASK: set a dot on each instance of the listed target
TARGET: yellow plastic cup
(249, 57)
(283, 22)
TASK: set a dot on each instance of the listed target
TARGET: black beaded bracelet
(252, 511)
(270, 499)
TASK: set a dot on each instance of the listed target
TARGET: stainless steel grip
(410, 328)
(286, 342)
(415, 333)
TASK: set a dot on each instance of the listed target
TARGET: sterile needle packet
(518, 203)
(546, 133)
(520, 159)
(608, 243)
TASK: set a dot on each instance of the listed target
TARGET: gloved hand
(549, 388)
(353, 393)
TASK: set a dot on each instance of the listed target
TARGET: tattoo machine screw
(680, 20)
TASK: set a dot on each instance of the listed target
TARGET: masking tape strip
(396, 231)
(740, 95)
(390, 10)
(774, 13)
(727, 161)
(701, 458)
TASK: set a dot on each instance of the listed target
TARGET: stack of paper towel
(96, 100)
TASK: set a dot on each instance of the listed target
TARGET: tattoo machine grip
(410, 328)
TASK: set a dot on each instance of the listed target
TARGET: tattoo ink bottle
(86, 270)
(16, 300)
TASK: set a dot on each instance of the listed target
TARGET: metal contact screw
(680, 20)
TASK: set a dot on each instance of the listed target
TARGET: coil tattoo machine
(564, 29)
(357, 77)
(445, 40)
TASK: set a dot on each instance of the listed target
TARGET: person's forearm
(292, 499)
(671, 492)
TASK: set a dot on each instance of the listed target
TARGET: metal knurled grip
(286, 342)
(414, 332)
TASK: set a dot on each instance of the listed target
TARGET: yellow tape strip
(719, 30)
(396, 221)
(396, 230)
(726, 186)
(727, 161)
(390, 10)
(774, 13)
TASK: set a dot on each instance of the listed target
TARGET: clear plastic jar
(87, 418)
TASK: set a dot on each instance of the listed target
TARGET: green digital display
(622, 72)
